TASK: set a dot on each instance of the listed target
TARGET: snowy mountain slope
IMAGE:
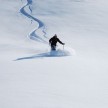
(30, 78)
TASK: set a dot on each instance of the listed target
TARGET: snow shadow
(58, 53)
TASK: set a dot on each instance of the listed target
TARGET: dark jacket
(54, 40)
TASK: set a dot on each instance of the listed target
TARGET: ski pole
(63, 47)
(63, 51)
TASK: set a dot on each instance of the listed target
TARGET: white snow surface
(75, 76)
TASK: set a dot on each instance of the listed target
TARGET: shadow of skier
(58, 53)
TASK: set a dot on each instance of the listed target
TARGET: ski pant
(53, 47)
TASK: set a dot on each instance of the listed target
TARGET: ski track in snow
(33, 35)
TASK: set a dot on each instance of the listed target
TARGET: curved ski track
(33, 34)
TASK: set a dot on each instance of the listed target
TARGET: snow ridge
(33, 35)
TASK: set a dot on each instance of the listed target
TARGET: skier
(53, 41)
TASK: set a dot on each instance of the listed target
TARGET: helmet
(55, 36)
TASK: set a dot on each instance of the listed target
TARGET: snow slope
(33, 77)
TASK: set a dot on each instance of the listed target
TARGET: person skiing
(53, 41)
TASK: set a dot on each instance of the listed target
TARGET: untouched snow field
(33, 77)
